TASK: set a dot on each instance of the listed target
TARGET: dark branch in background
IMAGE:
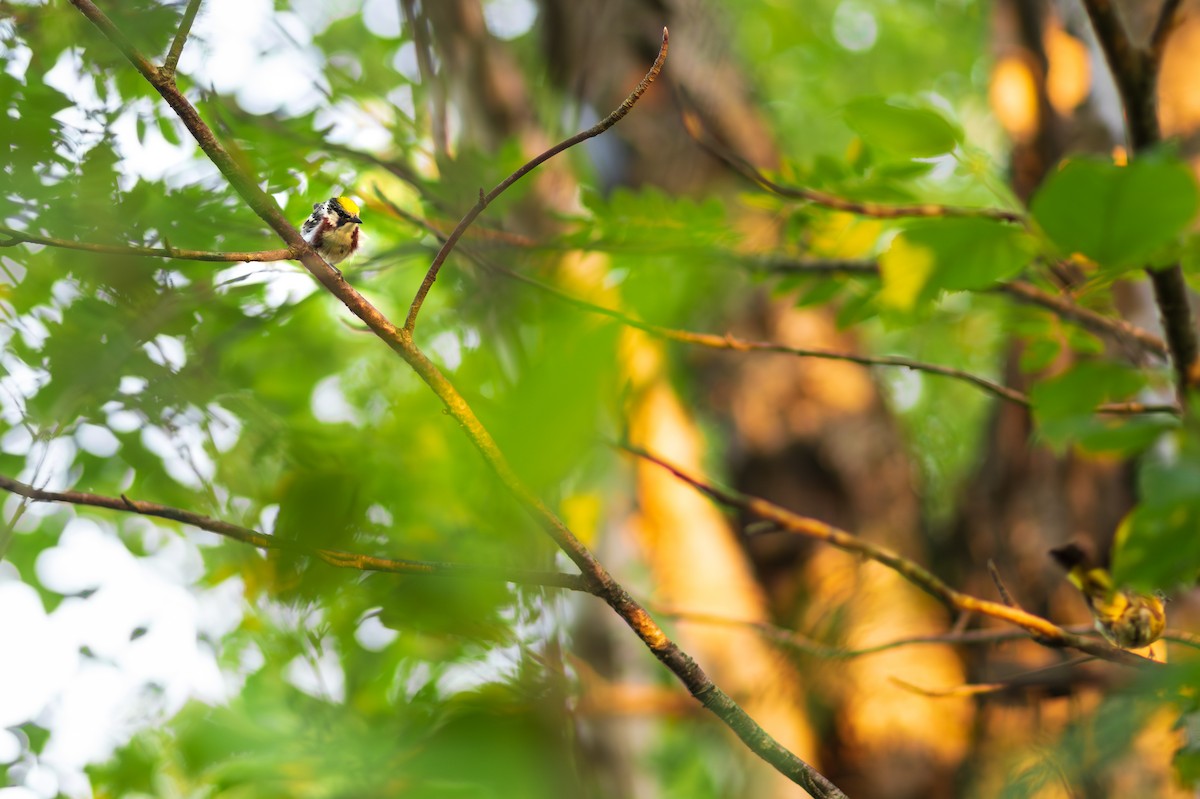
(486, 199)
(1045, 632)
(1163, 28)
(400, 341)
(420, 34)
(1135, 72)
(832, 201)
(16, 237)
(814, 266)
(333, 557)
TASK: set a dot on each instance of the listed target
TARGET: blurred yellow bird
(1128, 620)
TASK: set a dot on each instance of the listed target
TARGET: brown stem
(486, 199)
(336, 558)
(17, 237)
(1131, 337)
(730, 342)
(1122, 332)
(1044, 632)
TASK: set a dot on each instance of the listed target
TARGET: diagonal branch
(18, 237)
(1044, 632)
(181, 36)
(1131, 337)
(333, 557)
(1163, 28)
(486, 199)
(400, 341)
(808, 646)
(1121, 331)
(832, 201)
(730, 342)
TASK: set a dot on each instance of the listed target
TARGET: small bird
(333, 229)
(1128, 620)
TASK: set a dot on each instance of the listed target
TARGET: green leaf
(907, 132)
(1117, 216)
(1064, 409)
(1160, 548)
(950, 254)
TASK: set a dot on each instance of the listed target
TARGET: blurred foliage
(241, 392)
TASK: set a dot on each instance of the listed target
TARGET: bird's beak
(356, 220)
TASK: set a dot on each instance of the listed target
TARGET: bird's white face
(333, 229)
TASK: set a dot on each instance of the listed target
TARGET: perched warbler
(1126, 618)
(333, 229)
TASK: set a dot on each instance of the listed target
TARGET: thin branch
(1131, 337)
(959, 691)
(333, 557)
(420, 34)
(1125, 333)
(815, 266)
(1171, 294)
(486, 199)
(1045, 632)
(875, 210)
(802, 643)
(1163, 28)
(1123, 57)
(400, 341)
(730, 342)
(1005, 596)
(477, 233)
(18, 237)
(181, 37)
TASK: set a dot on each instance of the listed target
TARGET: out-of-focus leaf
(1064, 409)
(1119, 216)
(905, 268)
(933, 255)
(1160, 547)
(907, 132)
